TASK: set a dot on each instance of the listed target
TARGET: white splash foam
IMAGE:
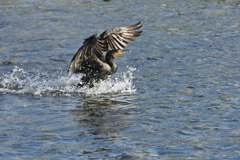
(60, 84)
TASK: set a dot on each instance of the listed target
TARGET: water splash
(39, 83)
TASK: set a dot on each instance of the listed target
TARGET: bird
(90, 60)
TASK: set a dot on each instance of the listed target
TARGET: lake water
(175, 96)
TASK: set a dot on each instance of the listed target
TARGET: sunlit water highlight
(37, 83)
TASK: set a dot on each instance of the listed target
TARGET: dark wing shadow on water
(103, 121)
(103, 115)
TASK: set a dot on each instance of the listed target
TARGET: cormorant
(90, 59)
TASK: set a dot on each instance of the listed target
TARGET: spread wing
(89, 56)
(119, 38)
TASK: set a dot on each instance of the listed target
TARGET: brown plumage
(90, 59)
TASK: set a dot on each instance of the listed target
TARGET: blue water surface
(175, 96)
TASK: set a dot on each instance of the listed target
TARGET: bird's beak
(120, 52)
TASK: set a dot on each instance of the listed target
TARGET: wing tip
(134, 26)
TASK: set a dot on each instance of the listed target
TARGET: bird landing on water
(90, 59)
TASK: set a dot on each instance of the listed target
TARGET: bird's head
(116, 52)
